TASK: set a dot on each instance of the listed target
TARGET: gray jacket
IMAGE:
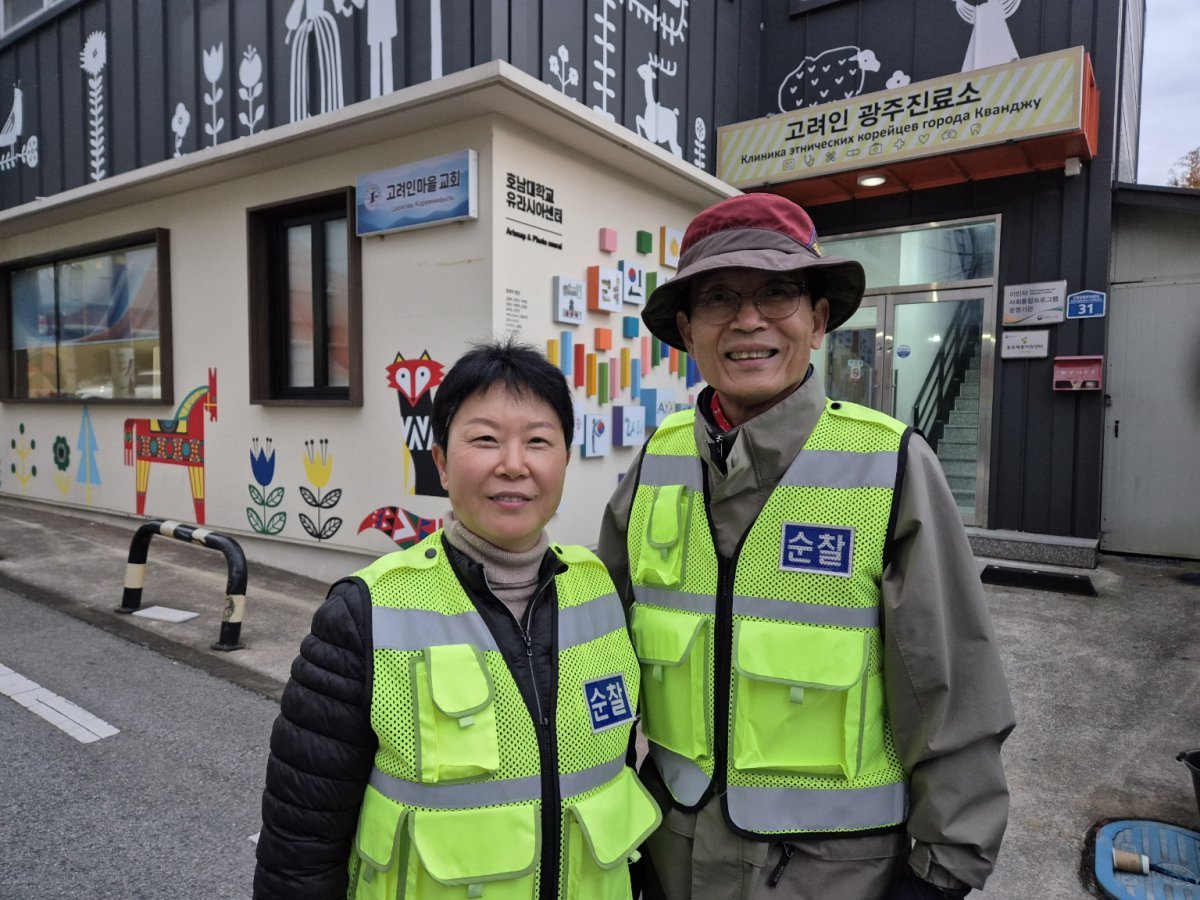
(947, 696)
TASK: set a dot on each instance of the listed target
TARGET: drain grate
(1061, 582)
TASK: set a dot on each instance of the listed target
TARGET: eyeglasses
(774, 300)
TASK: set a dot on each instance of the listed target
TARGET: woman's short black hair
(522, 370)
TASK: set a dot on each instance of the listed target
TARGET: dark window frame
(266, 229)
(161, 238)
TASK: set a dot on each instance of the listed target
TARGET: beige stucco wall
(429, 290)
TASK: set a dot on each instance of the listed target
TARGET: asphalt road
(163, 808)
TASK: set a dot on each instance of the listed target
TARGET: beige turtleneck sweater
(512, 577)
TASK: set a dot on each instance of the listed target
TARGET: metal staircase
(947, 407)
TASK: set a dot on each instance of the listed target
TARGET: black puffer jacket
(323, 746)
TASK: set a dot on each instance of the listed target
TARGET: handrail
(932, 407)
(235, 586)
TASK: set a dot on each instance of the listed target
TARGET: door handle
(1117, 428)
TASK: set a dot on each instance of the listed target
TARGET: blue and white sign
(416, 195)
(817, 549)
(607, 702)
(1086, 305)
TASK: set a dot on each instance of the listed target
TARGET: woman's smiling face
(503, 466)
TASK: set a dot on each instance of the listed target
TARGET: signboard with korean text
(1027, 98)
(416, 195)
(1086, 305)
(1031, 344)
(1034, 304)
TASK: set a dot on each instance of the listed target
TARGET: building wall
(428, 292)
(108, 86)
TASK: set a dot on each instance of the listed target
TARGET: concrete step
(964, 498)
(961, 434)
(968, 390)
(967, 417)
(950, 450)
(961, 482)
(971, 376)
(964, 467)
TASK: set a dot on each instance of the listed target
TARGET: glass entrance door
(924, 358)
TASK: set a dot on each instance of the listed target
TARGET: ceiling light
(873, 179)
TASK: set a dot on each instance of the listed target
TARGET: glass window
(89, 326)
(305, 305)
(933, 254)
(18, 11)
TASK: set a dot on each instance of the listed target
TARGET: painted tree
(1186, 171)
(88, 472)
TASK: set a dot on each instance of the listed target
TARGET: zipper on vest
(721, 671)
(548, 754)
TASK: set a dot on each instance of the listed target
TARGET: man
(822, 693)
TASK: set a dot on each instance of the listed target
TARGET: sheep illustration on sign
(836, 74)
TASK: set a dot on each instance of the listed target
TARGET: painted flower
(181, 120)
(898, 79)
(318, 462)
(62, 453)
(262, 461)
(214, 62)
(95, 53)
(250, 71)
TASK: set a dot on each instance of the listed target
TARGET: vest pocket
(603, 834)
(803, 700)
(661, 554)
(456, 719)
(374, 873)
(457, 853)
(672, 648)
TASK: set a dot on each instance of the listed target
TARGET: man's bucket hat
(755, 231)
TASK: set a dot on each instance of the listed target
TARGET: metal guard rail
(235, 586)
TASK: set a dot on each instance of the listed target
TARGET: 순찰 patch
(607, 701)
(818, 549)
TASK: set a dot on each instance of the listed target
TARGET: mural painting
(61, 453)
(991, 42)
(262, 467)
(10, 136)
(604, 69)
(657, 123)
(214, 65)
(413, 380)
(836, 74)
(250, 76)
(568, 75)
(22, 469)
(400, 526)
(381, 30)
(88, 472)
(318, 467)
(177, 441)
(310, 27)
(93, 58)
(179, 126)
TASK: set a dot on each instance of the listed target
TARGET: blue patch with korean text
(607, 701)
(819, 549)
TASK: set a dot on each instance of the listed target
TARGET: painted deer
(178, 441)
(658, 123)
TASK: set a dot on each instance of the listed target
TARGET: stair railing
(935, 400)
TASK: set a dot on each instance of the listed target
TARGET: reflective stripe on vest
(774, 790)
(490, 793)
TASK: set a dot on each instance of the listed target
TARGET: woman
(457, 721)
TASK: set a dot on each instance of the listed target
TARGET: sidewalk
(1107, 689)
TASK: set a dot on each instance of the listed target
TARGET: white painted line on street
(254, 837)
(165, 614)
(58, 711)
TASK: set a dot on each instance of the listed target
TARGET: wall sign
(1086, 305)
(416, 195)
(1025, 344)
(1028, 98)
(1034, 304)
(1078, 373)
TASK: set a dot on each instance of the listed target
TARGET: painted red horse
(178, 441)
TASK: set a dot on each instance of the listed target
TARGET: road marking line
(58, 711)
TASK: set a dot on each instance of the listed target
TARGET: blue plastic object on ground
(1169, 848)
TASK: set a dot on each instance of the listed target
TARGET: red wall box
(1078, 373)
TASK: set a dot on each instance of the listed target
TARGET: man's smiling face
(752, 362)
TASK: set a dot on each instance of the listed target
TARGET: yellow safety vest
(459, 800)
(762, 674)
